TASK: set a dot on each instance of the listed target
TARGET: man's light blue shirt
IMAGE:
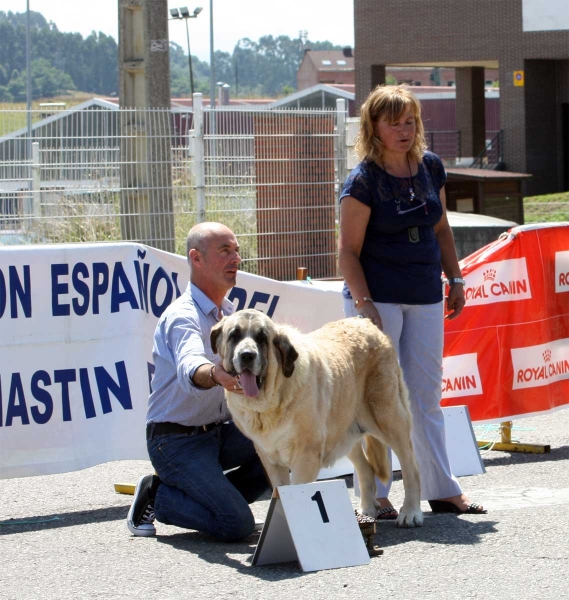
(181, 346)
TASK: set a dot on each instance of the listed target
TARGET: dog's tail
(378, 458)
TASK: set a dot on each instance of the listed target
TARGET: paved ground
(65, 536)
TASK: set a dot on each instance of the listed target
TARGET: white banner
(76, 331)
(461, 376)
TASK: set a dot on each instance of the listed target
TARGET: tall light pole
(29, 80)
(184, 13)
(211, 53)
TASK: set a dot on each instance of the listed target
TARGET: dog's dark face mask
(244, 340)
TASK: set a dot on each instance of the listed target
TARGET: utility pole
(144, 88)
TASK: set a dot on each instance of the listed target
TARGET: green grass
(558, 197)
(70, 99)
(72, 219)
(549, 208)
(13, 115)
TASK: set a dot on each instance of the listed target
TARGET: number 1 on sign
(318, 499)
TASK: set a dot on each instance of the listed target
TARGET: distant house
(319, 96)
(432, 76)
(70, 142)
(337, 67)
(329, 67)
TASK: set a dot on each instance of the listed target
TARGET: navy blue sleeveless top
(400, 256)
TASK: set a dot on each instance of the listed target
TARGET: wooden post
(506, 432)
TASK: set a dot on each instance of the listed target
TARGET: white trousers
(417, 332)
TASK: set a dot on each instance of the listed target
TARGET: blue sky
(233, 19)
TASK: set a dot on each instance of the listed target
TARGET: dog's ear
(214, 335)
(287, 353)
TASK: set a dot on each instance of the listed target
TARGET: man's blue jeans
(195, 493)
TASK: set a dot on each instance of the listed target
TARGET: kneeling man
(191, 440)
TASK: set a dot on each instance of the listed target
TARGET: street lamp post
(29, 207)
(28, 82)
(211, 58)
(184, 13)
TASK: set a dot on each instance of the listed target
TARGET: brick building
(325, 66)
(336, 67)
(527, 41)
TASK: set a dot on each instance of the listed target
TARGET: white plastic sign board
(313, 523)
(462, 448)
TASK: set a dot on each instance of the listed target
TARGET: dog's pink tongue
(248, 382)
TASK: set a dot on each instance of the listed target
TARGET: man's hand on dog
(229, 382)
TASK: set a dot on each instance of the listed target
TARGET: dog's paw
(410, 518)
(369, 510)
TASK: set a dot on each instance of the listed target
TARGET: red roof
(330, 60)
(188, 101)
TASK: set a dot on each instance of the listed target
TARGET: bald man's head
(201, 235)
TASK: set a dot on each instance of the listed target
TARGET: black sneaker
(140, 519)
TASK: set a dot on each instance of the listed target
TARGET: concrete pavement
(65, 536)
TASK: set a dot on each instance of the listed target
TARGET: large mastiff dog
(310, 399)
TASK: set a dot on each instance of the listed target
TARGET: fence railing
(444, 143)
(103, 173)
(492, 155)
(148, 175)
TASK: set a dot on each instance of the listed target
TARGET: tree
(180, 74)
(5, 95)
(223, 67)
(17, 87)
(3, 75)
(90, 64)
(63, 61)
(47, 82)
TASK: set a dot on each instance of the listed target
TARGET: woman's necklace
(410, 188)
(410, 182)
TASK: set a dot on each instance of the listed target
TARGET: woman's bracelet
(212, 377)
(364, 299)
(455, 280)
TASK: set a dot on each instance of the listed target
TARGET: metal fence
(444, 143)
(106, 174)
(492, 155)
(98, 172)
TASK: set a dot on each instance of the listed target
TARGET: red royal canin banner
(507, 355)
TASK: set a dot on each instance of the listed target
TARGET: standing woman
(394, 241)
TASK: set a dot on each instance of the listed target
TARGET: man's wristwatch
(454, 280)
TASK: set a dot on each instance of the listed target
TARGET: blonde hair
(391, 102)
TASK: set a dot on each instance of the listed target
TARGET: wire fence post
(199, 162)
(36, 181)
(340, 145)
